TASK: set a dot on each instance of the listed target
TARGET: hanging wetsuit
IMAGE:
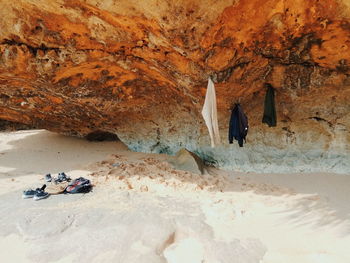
(269, 107)
(238, 127)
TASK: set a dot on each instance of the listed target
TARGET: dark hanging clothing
(269, 108)
(238, 127)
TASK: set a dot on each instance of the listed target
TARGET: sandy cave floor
(142, 210)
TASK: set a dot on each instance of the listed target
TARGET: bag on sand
(56, 188)
(79, 185)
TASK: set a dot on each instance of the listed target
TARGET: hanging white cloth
(209, 114)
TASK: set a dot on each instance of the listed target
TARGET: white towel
(209, 114)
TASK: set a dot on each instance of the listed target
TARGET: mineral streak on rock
(139, 69)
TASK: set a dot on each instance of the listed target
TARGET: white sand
(142, 210)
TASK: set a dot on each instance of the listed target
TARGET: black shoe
(29, 193)
(48, 178)
(40, 193)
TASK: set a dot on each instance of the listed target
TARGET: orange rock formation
(139, 69)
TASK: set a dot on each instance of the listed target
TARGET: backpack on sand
(79, 185)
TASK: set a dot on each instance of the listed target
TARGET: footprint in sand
(187, 250)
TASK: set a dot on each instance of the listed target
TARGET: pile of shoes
(62, 177)
(57, 185)
(61, 184)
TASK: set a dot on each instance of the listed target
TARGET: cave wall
(139, 69)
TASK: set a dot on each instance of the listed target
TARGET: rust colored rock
(139, 69)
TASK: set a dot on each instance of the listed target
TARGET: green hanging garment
(269, 108)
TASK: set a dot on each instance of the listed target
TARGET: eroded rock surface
(139, 69)
(187, 161)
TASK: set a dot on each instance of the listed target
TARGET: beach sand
(142, 210)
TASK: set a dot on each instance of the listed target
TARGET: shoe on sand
(29, 193)
(40, 194)
(48, 178)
